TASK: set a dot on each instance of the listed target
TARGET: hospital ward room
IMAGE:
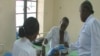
(49, 27)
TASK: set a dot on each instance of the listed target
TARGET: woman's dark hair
(29, 28)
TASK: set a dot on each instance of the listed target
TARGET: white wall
(41, 14)
(70, 9)
(7, 23)
(96, 6)
(48, 14)
(55, 10)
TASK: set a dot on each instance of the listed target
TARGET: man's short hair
(65, 19)
(87, 5)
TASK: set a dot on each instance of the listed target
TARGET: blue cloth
(58, 48)
(7, 54)
(17, 37)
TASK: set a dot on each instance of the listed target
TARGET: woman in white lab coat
(27, 33)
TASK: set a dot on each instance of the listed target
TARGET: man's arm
(49, 36)
(95, 38)
(67, 40)
(46, 40)
(66, 44)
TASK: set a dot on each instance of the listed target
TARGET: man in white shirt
(88, 43)
(58, 34)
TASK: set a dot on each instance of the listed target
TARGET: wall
(48, 14)
(41, 14)
(96, 6)
(70, 9)
(7, 23)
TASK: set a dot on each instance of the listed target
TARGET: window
(31, 11)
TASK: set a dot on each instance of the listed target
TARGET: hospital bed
(39, 41)
(36, 45)
(73, 53)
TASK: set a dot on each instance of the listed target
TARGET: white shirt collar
(89, 18)
(28, 41)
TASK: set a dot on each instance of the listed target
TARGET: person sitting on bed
(58, 35)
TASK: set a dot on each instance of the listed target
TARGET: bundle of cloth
(59, 50)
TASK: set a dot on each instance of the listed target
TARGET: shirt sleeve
(67, 38)
(95, 38)
(73, 46)
(50, 34)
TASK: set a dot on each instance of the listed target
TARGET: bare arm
(66, 44)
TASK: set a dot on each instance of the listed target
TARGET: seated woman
(27, 33)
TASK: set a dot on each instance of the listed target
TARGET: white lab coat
(23, 47)
(88, 43)
(53, 36)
